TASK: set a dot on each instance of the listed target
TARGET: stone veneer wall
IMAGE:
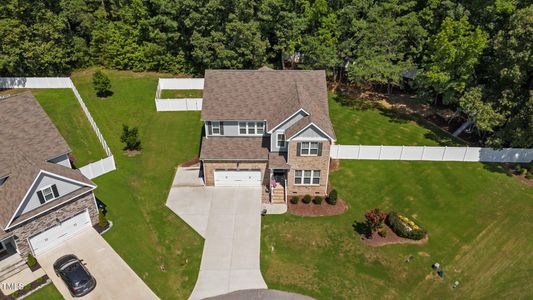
(47, 220)
(211, 166)
(308, 163)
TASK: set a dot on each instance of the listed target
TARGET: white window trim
(51, 190)
(278, 140)
(309, 148)
(312, 177)
(256, 126)
(217, 127)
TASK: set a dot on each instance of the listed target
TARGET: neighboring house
(43, 201)
(267, 128)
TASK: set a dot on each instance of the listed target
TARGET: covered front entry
(53, 236)
(238, 177)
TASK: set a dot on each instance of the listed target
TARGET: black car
(75, 275)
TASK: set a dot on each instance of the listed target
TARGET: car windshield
(75, 274)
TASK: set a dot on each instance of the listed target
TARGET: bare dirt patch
(317, 210)
(192, 162)
(390, 239)
(131, 153)
(334, 165)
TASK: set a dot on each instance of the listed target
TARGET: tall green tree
(450, 60)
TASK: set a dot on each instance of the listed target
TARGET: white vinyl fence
(182, 104)
(91, 170)
(98, 168)
(431, 153)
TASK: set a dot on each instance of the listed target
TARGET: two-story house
(267, 128)
(43, 201)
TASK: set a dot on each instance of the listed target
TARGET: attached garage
(53, 236)
(237, 177)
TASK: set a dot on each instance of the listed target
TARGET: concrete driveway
(230, 221)
(115, 279)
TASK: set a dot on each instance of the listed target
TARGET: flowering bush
(404, 227)
(375, 218)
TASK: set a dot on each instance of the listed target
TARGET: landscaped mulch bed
(317, 210)
(192, 162)
(101, 229)
(390, 239)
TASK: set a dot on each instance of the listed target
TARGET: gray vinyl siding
(31, 202)
(229, 128)
(273, 138)
(311, 133)
(62, 160)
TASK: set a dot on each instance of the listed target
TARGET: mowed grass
(176, 94)
(66, 113)
(48, 292)
(478, 220)
(372, 126)
(156, 243)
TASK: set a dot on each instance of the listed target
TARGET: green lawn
(173, 94)
(48, 292)
(156, 243)
(359, 123)
(478, 220)
(66, 113)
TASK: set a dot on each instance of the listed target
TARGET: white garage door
(52, 237)
(238, 177)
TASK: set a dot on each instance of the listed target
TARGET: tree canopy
(473, 56)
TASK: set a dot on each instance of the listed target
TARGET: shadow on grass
(497, 168)
(348, 100)
(362, 228)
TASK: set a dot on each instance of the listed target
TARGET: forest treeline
(475, 56)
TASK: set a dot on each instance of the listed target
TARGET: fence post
(359, 152)
(444, 153)
(466, 150)
(423, 152)
(380, 149)
(401, 153)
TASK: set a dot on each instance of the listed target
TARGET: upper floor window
(215, 128)
(310, 148)
(48, 193)
(251, 128)
(280, 140)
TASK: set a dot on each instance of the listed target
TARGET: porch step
(278, 196)
(11, 267)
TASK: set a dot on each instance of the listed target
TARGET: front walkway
(230, 221)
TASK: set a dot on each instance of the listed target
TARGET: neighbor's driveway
(114, 278)
(230, 221)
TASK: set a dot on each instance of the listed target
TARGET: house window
(307, 177)
(48, 193)
(309, 148)
(215, 128)
(281, 140)
(251, 128)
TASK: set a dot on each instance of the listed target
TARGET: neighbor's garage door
(55, 235)
(238, 177)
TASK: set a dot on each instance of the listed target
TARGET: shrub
(307, 199)
(317, 200)
(375, 218)
(400, 228)
(130, 137)
(102, 220)
(101, 84)
(332, 198)
(27, 287)
(294, 199)
(529, 175)
(40, 280)
(31, 261)
(382, 233)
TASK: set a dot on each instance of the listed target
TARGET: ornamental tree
(375, 218)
